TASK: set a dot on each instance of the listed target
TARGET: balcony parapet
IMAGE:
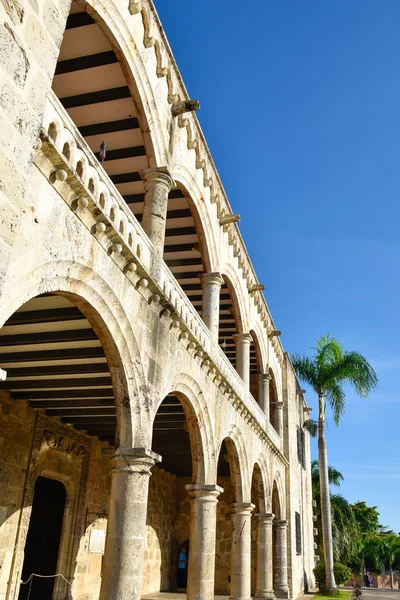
(66, 160)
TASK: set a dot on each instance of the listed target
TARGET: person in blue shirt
(182, 565)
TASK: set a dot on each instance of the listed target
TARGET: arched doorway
(43, 540)
(258, 499)
(229, 479)
(176, 438)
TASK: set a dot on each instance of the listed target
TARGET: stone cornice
(155, 38)
(97, 203)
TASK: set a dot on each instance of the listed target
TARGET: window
(300, 447)
(298, 533)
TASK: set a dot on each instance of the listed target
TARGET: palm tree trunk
(330, 583)
(391, 578)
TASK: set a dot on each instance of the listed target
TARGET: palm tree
(326, 372)
(345, 530)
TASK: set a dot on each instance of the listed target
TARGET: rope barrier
(44, 577)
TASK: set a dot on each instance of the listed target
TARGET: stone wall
(24, 454)
(87, 577)
(16, 429)
(162, 508)
(30, 38)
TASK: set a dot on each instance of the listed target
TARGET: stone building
(135, 338)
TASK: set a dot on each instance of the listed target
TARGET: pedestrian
(182, 564)
(366, 580)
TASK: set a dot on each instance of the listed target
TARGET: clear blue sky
(300, 106)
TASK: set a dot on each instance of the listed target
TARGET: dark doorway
(173, 575)
(183, 572)
(43, 539)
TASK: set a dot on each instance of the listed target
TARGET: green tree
(326, 372)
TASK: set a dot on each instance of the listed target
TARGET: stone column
(157, 185)
(242, 341)
(263, 392)
(203, 516)
(126, 528)
(241, 552)
(279, 418)
(211, 284)
(264, 579)
(280, 566)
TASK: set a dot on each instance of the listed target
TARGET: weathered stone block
(14, 10)
(13, 58)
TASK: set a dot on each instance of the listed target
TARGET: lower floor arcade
(112, 522)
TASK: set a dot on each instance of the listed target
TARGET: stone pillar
(241, 552)
(157, 185)
(264, 579)
(211, 283)
(242, 341)
(280, 566)
(203, 517)
(263, 392)
(279, 418)
(126, 528)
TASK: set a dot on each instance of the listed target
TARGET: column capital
(204, 492)
(244, 338)
(158, 175)
(265, 377)
(245, 508)
(281, 523)
(133, 459)
(211, 278)
(264, 517)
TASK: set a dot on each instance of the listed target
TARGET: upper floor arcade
(120, 146)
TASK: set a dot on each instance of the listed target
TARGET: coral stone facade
(147, 404)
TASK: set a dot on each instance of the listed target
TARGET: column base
(264, 594)
(282, 594)
(240, 598)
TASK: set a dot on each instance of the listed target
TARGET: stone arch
(258, 488)
(236, 291)
(274, 398)
(263, 483)
(238, 462)
(260, 341)
(201, 215)
(199, 424)
(116, 27)
(278, 504)
(277, 379)
(99, 304)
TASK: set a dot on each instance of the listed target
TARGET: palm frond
(312, 427)
(334, 476)
(306, 370)
(328, 350)
(336, 399)
(353, 368)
